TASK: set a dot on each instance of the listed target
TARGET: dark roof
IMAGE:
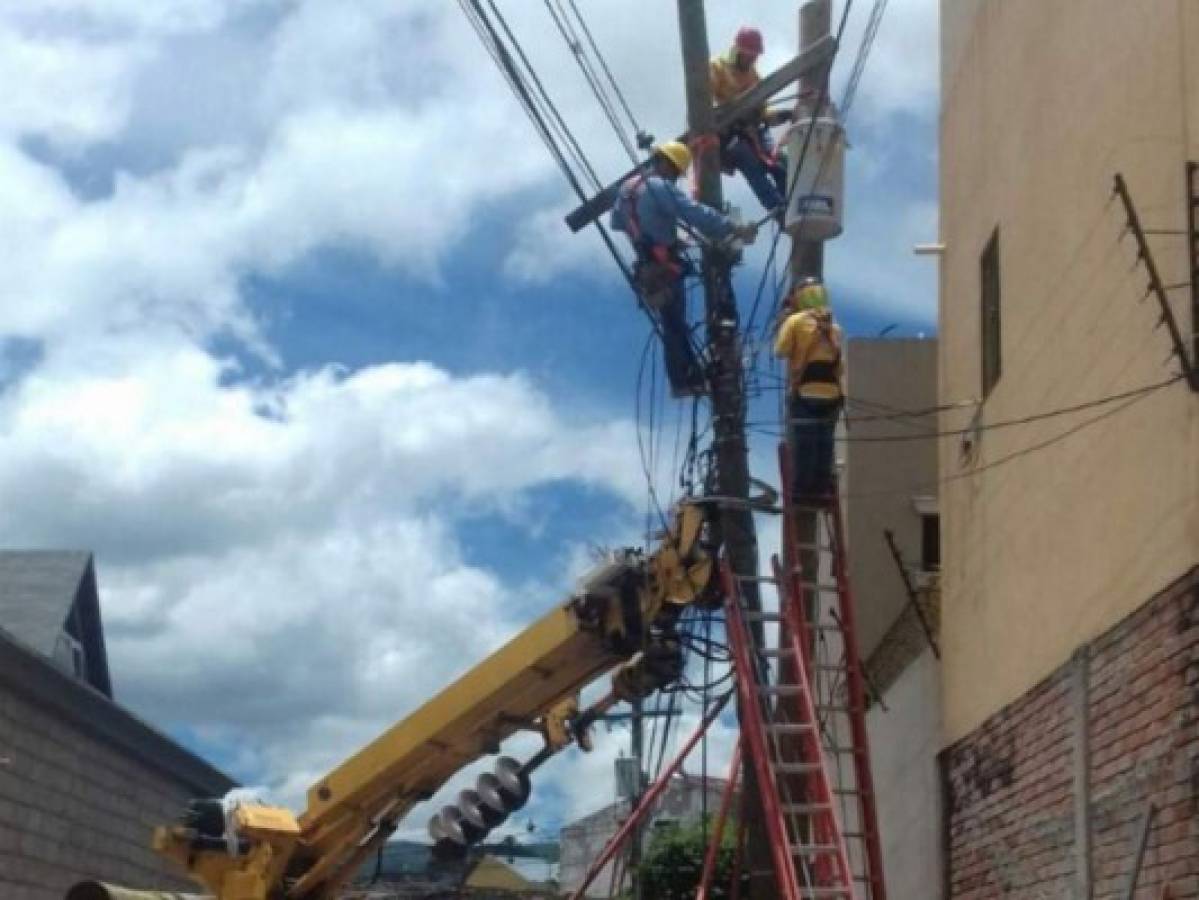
(35, 677)
(37, 591)
(46, 592)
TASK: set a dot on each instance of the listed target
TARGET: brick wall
(1121, 716)
(82, 784)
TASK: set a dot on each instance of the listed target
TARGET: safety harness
(662, 254)
(822, 371)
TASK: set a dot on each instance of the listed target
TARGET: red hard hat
(749, 40)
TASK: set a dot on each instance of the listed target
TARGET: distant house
(406, 870)
(82, 781)
(684, 800)
(493, 878)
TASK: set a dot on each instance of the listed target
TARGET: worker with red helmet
(747, 146)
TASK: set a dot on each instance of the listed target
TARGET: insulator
(515, 786)
(491, 801)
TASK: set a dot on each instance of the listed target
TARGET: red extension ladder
(802, 697)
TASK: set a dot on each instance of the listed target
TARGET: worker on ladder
(747, 146)
(810, 341)
(649, 209)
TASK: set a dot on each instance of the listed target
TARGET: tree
(674, 862)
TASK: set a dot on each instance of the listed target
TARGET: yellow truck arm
(621, 618)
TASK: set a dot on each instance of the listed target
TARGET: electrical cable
(546, 101)
(1007, 423)
(644, 140)
(566, 30)
(798, 167)
(490, 38)
(1013, 456)
(868, 37)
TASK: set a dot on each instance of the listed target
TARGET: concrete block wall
(1127, 738)
(904, 739)
(73, 807)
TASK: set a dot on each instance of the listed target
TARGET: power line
(798, 165)
(868, 38)
(1008, 423)
(547, 102)
(488, 35)
(1011, 457)
(643, 139)
(570, 36)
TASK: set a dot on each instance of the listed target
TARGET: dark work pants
(813, 426)
(682, 368)
(767, 179)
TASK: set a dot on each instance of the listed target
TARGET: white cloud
(279, 565)
(280, 562)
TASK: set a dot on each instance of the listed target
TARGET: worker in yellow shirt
(747, 146)
(810, 341)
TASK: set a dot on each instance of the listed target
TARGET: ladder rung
(814, 849)
(790, 728)
(760, 616)
(781, 690)
(758, 579)
(825, 892)
(850, 792)
(795, 768)
(776, 652)
(819, 548)
(820, 587)
(804, 809)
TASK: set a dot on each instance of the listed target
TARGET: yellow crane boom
(621, 618)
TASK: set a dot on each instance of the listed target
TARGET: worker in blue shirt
(649, 209)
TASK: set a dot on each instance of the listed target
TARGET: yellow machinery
(621, 618)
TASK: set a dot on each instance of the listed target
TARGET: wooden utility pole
(807, 257)
(730, 450)
(639, 756)
(815, 25)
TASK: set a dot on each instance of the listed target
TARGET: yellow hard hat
(677, 153)
(810, 294)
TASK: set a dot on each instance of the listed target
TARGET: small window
(69, 655)
(992, 339)
(930, 543)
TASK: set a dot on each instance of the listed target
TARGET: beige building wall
(1043, 103)
(891, 471)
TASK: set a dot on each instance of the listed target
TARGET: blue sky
(293, 338)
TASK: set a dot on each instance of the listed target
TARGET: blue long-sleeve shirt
(660, 205)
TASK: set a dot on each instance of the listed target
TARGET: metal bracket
(1193, 248)
(1156, 287)
(913, 595)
